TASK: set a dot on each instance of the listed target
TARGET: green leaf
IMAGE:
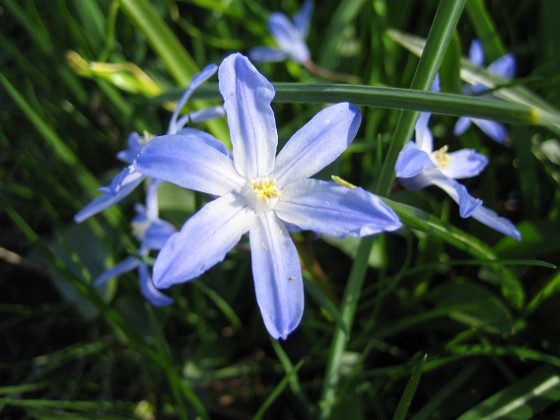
(522, 400)
(473, 305)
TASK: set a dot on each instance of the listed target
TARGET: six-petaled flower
(419, 166)
(261, 193)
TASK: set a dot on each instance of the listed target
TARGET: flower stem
(331, 75)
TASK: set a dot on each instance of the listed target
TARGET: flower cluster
(266, 195)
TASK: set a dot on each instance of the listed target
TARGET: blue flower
(419, 166)
(152, 233)
(504, 67)
(289, 35)
(128, 178)
(260, 193)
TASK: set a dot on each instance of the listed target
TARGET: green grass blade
(291, 372)
(177, 60)
(485, 29)
(408, 394)
(522, 400)
(276, 392)
(345, 13)
(393, 98)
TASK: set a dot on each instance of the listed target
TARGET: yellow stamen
(342, 182)
(441, 157)
(145, 138)
(265, 189)
(139, 228)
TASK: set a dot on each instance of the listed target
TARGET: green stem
(444, 24)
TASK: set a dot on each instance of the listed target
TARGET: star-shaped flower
(419, 166)
(289, 35)
(261, 193)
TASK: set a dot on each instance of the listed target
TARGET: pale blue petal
(335, 210)
(496, 131)
(266, 55)
(154, 296)
(492, 220)
(199, 116)
(503, 66)
(436, 85)
(303, 18)
(196, 81)
(157, 234)
(203, 241)
(288, 37)
(135, 143)
(207, 114)
(318, 143)
(108, 199)
(458, 192)
(128, 176)
(247, 97)
(476, 53)
(465, 163)
(189, 162)
(277, 275)
(424, 138)
(126, 265)
(412, 161)
(461, 126)
(207, 138)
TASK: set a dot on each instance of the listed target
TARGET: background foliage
(460, 323)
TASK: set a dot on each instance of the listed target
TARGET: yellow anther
(265, 189)
(342, 182)
(145, 138)
(139, 228)
(441, 158)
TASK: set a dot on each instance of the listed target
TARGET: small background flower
(504, 67)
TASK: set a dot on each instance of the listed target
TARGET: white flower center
(441, 158)
(261, 194)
